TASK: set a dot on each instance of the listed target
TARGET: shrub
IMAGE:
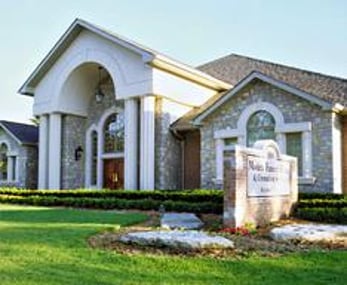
(196, 196)
(113, 203)
(327, 215)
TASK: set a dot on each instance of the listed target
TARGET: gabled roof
(23, 133)
(148, 55)
(195, 116)
(233, 68)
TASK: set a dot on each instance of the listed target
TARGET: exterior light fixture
(99, 95)
(78, 153)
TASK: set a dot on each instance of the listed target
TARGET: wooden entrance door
(114, 173)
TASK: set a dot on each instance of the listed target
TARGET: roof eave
(189, 73)
(257, 75)
(11, 134)
(70, 34)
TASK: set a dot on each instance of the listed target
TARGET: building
(116, 114)
(18, 155)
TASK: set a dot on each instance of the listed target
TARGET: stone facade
(294, 110)
(74, 130)
(167, 151)
(26, 162)
(73, 136)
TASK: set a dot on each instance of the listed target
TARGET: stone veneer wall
(27, 163)
(96, 109)
(31, 167)
(167, 151)
(73, 136)
(294, 110)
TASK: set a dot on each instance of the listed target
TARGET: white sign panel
(267, 177)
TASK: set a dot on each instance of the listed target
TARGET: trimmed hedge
(319, 207)
(112, 203)
(322, 207)
(325, 196)
(195, 196)
(326, 215)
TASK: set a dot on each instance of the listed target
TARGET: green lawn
(48, 246)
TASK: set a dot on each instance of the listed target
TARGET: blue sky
(307, 34)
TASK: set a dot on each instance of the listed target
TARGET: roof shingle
(26, 134)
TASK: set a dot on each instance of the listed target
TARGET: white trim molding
(88, 156)
(147, 140)
(281, 128)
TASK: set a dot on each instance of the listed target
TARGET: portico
(109, 142)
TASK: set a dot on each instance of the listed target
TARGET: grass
(49, 246)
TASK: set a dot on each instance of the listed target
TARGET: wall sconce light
(78, 153)
(99, 95)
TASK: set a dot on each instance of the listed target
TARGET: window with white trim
(294, 148)
(3, 162)
(114, 133)
(260, 126)
(264, 120)
(94, 158)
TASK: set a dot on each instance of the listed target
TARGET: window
(114, 134)
(230, 142)
(94, 153)
(3, 162)
(294, 148)
(260, 126)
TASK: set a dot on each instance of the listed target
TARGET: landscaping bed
(248, 244)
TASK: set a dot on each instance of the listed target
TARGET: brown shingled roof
(233, 68)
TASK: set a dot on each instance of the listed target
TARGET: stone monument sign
(260, 184)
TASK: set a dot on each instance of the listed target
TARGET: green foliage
(49, 246)
(197, 201)
(326, 215)
(325, 196)
(322, 207)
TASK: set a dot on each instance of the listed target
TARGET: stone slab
(177, 239)
(309, 232)
(186, 221)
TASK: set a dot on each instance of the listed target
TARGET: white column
(281, 141)
(54, 151)
(219, 160)
(307, 154)
(43, 152)
(10, 168)
(337, 153)
(130, 145)
(147, 156)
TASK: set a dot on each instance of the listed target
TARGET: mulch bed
(257, 244)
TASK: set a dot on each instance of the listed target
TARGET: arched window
(94, 158)
(114, 133)
(260, 126)
(3, 162)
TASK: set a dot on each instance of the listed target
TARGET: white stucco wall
(131, 76)
(68, 84)
(179, 89)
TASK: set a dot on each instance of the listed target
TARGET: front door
(114, 173)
